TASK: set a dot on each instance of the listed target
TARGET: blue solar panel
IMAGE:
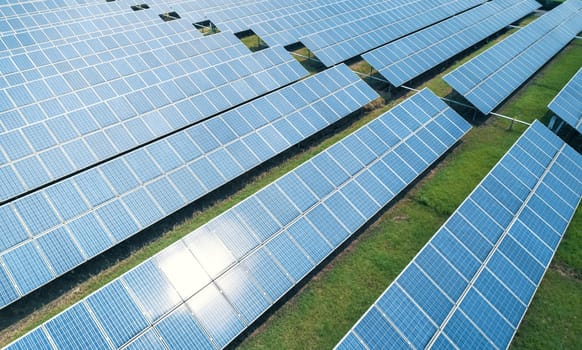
(568, 103)
(356, 36)
(488, 79)
(148, 108)
(222, 295)
(407, 58)
(476, 277)
(123, 196)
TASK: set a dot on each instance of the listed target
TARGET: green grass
(555, 317)
(253, 42)
(568, 256)
(306, 58)
(461, 173)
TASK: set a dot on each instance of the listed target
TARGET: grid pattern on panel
(255, 18)
(238, 17)
(407, 58)
(353, 38)
(488, 79)
(568, 103)
(27, 32)
(243, 261)
(65, 224)
(288, 27)
(127, 102)
(201, 9)
(22, 9)
(472, 283)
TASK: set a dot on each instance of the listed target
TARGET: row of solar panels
(471, 285)
(409, 57)
(488, 79)
(55, 129)
(568, 103)
(61, 226)
(207, 288)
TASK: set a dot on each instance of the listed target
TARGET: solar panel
(471, 284)
(488, 79)
(204, 290)
(49, 135)
(568, 103)
(355, 37)
(407, 58)
(65, 224)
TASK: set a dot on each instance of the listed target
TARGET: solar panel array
(65, 224)
(471, 285)
(356, 36)
(568, 103)
(205, 289)
(488, 79)
(133, 100)
(409, 57)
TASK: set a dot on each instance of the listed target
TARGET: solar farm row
(488, 79)
(471, 285)
(208, 287)
(568, 103)
(59, 227)
(409, 57)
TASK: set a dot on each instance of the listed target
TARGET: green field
(318, 314)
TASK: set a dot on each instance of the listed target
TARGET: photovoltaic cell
(212, 312)
(476, 287)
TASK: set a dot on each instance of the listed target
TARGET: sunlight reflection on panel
(216, 314)
(242, 290)
(210, 251)
(182, 269)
